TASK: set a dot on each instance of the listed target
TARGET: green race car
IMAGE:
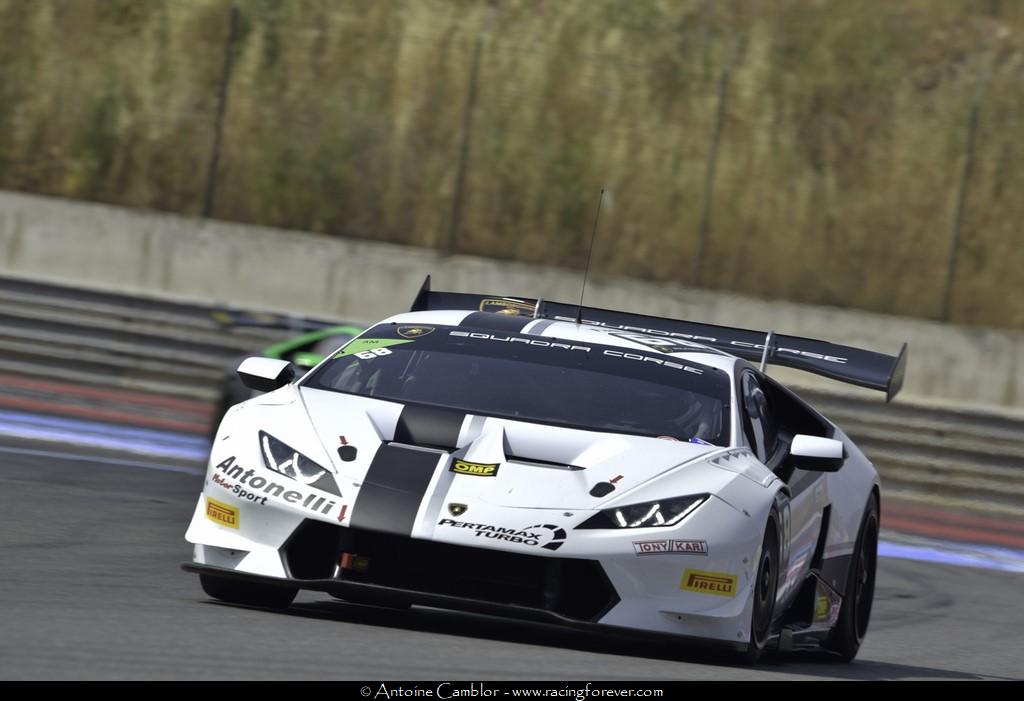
(303, 352)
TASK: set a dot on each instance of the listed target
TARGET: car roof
(568, 331)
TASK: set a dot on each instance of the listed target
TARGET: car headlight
(287, 461)
(664, 512)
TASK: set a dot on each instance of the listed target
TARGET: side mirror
(265, 374)
(817, 454)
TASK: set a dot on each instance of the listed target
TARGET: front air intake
(574, 588)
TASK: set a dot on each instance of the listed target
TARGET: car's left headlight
(663, 512)
(287, 461)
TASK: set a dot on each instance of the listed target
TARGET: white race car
(574, 465)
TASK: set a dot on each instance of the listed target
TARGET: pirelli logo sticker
(478, 469)
(715, 583)
(219, 512)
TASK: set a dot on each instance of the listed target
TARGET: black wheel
(855, 613)
(765, 587)
(248, 593)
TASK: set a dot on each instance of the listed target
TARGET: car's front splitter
(383, 595)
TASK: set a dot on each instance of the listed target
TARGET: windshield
(533, 378)
(326, 345)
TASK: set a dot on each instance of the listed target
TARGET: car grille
(571, 587)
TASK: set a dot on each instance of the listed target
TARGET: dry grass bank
(818, 146)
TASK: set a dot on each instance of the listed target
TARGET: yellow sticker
(475, 468)
(821, 608)
(715, 583)
(219, 512)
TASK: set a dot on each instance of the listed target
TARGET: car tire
(855, 613)
(235, 591)
(766, 585)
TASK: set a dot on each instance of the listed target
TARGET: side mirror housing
(817, 454)
(265, 374)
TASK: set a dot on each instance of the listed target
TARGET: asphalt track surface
(98, 482)
(92, 590)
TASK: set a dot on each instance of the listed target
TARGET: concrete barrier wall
(167, 255)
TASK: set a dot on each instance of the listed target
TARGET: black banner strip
(393, 489)
(844, 363)
(429, 427)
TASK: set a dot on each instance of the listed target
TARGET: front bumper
(595, 577)
(572, 588)
(397, 596)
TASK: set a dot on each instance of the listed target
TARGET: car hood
(478, 459)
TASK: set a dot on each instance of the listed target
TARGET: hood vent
(429, 427)
(531, 462)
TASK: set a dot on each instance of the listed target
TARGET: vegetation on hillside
(815, 150)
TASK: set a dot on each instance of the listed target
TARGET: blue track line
(95, 434)
(948, 552)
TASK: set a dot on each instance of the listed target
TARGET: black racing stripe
(497, 322)
(429, 426)
(542, 324)
(393, 489)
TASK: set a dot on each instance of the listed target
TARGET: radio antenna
(590, 254)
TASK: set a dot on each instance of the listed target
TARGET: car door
(770, 442)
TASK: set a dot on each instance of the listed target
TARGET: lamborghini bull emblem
(414, 331)
(457, 509)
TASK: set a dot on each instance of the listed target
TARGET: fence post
(222, 101)
(709, 172)
(961, 197)
(465, 135)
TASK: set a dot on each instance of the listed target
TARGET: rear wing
(847, 364)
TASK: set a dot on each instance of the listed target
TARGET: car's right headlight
(663, 512)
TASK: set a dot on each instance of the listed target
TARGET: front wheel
(846, 638)
(765, 588)
(235, 591)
